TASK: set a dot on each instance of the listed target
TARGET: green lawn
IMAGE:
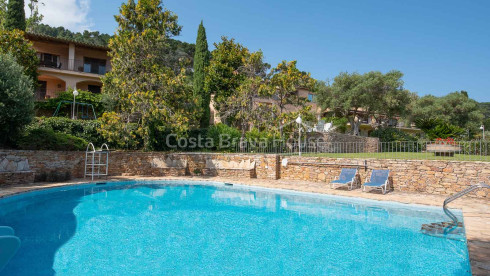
(401, 155)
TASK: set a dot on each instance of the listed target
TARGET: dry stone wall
(422, 176)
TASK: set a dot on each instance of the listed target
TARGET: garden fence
(434, 150)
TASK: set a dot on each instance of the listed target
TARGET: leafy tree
(148, 96)
(16, 17)
(35, 17)
(437, 128)
(456, 108)
(201, 61)
(3, 13)
(241, 107)
(485, 108)
(284, 81)
(222, 77)
(372, 94)
(14, 43)
(16, 98)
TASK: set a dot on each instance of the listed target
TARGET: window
(94, 88)
(94, 66)
(49, 60)
(311, 97)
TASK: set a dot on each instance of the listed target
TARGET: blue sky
(440, 46)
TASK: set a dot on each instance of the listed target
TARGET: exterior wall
(71, 59)
(53, 85)
(421, 176)
(54, 48)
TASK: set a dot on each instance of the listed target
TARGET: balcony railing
(76, 65)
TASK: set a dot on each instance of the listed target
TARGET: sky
(440, 46)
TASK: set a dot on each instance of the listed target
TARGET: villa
(136, 175)
(68, 64)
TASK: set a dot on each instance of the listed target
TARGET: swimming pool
(206, 228)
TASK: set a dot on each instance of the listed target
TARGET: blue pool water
(197, 228)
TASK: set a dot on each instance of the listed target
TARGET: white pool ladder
(96, 161)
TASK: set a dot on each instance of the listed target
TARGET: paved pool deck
(476, 212)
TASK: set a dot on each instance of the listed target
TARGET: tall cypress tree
(201, 61)
(16, 17)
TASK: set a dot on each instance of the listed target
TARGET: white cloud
(71, 14)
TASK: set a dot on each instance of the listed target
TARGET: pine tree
(16, 17)
(201, 61)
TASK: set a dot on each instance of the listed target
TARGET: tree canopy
(21, 49)
(201, 61)
(148, 97)
(222, 76)
(455, 108)
(372, 94)
(16, 98)
(15, 17)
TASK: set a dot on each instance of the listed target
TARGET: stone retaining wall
(422, 176)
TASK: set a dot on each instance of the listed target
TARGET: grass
(401, 155)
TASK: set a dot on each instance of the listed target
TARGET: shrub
(389, 134)
(339, 123)
(49, 107)
(435, 128)
(444, 130)
(16, 99)
(85, 129)
(47, 139)
(224, 137)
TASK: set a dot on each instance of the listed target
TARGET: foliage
(3, 13)
(85, 129)
(47, 139)
(201, 61)
(284, 81)
(290, 129)
(119, 133)
(222, 77)
(265, 135)
(485, 108)
(88, 37)
(49, 106)
(389, 134)
(339, 123)
(21, 49)
(147, 94)
(35, 17)
(16, 17)
(16, 98)
(437, 128)
(371, 94)
(444, 130)
(224, 137)
(241, 108)
(453, 109)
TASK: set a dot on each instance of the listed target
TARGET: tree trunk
(355, 123)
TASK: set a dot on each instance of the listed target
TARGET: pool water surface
(205, 228)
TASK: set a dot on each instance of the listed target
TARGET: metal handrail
(457, 195)
(464, 192)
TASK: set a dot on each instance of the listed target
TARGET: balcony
(87, 65)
